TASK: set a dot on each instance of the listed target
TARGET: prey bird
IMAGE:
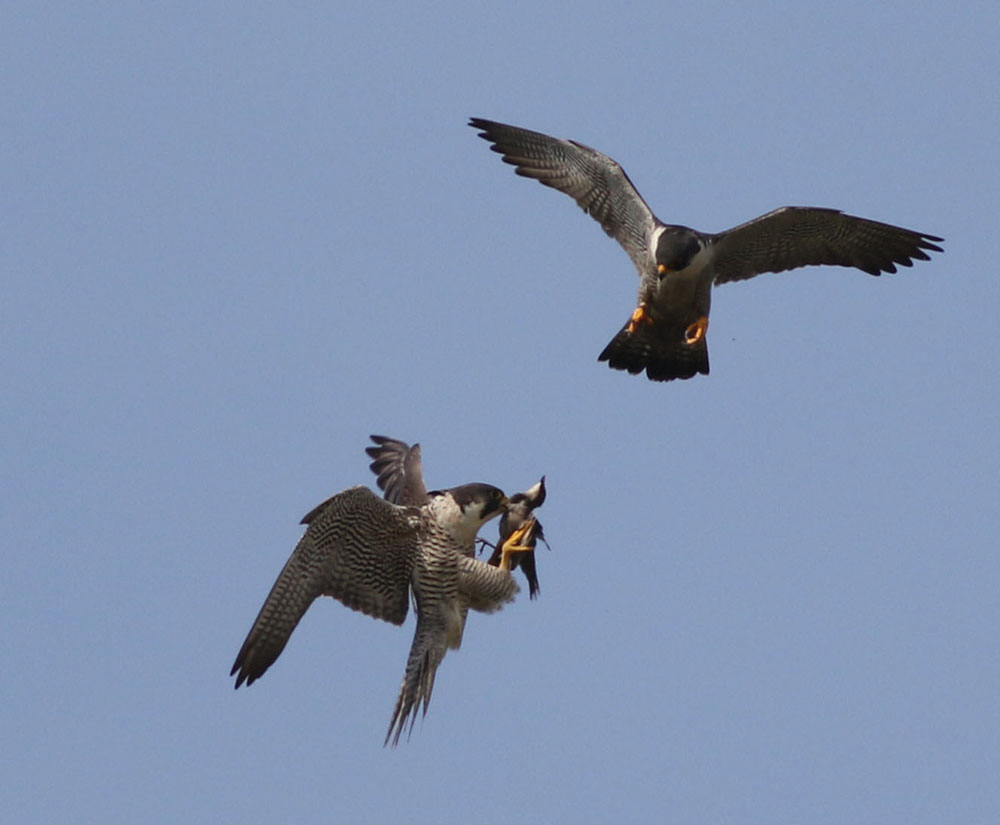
(520, 532)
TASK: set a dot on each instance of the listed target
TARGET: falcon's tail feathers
(415, 692)
(640, 350)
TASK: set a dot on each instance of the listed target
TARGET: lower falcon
(666, 334)
(371, 555)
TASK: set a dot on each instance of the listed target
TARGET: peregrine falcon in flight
(399, 474)
(666, 333)
(371, 555)
(520, 530)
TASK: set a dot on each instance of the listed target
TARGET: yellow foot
(513, 543)
(696, 331)
(639, 316)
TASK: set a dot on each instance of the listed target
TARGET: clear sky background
(238, 238)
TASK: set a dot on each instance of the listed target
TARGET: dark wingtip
(379, 440)
(246, 678)
(245, 671)
(488, 132)
(483, 125)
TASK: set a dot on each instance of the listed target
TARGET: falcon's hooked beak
(499, 505)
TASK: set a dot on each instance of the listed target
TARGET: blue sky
(239, 239)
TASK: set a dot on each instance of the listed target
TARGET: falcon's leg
(639, 316)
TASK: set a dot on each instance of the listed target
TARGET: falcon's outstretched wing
(596, 182)
(795, 236)
(358, 549)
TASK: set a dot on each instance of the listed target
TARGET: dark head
(478, 502)
(676, 247)
(520, 508)
(531, 498)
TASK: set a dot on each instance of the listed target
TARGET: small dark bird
(666, 333)
(520, 532)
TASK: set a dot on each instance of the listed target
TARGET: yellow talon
(513, 543)
(696, 331)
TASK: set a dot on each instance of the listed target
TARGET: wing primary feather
(796, 236)
(358, 549)
(595, 181)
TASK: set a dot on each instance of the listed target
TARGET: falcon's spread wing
(596, 182)
(398, 469)
(795, 236)
(358, 549)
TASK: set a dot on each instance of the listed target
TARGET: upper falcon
(665, 336)
(371, 555)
